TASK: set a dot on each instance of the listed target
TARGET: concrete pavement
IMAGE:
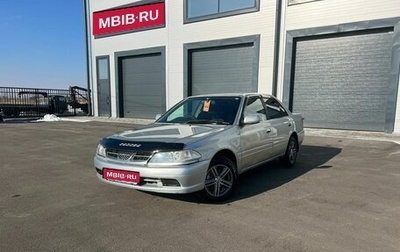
(343, 195)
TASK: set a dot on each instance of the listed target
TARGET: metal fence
(36, 102)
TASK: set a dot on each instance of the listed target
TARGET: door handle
(268, 130)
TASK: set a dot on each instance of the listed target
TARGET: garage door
(223, 69)
(143, 86)
(342, 82)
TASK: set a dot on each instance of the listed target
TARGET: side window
(62, 99)
(254, 106)
(206, 9)
(274, 109)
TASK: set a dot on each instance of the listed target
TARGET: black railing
(34, 102)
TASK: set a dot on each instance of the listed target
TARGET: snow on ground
(49, 118)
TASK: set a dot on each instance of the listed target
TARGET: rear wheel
(220, 180)
(291, 152)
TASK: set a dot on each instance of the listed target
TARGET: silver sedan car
(202, 144)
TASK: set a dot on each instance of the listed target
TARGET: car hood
(169, 133)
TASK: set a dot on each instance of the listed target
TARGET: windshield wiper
(200, 121)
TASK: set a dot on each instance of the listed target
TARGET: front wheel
(220, 181)
(291, 152)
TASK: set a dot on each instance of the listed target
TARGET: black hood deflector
(112, 143)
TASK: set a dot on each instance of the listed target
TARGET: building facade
(335, 61)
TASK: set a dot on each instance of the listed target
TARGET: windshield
(203, 110)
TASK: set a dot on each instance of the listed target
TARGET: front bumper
(174, 180)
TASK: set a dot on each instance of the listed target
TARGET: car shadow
(272, 175)
(276, 174)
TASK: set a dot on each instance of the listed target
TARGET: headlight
(175, 157)
(101, 151)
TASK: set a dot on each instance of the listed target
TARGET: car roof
(231, 95)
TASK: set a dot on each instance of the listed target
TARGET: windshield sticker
(206, 106)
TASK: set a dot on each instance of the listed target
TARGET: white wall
(176, 34)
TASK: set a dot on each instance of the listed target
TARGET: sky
(42, 44)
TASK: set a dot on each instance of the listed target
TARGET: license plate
(121, 176)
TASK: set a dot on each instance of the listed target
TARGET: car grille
(123, 155)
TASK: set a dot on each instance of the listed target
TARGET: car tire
(292, 149)
(221, 180)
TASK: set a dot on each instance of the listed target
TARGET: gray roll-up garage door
(224, 69)
(342, 82)
(143, 86)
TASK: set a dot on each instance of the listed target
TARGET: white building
(336, 61)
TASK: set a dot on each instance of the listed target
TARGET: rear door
(255, 139)
(280, 125)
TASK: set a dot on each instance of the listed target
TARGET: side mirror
(251, 119)
(158, 116)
